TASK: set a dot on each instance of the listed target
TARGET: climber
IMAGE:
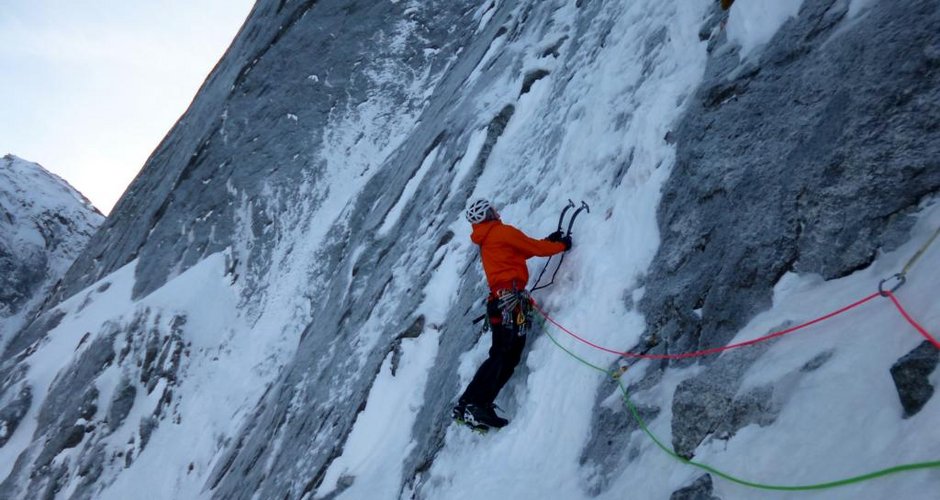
(504, 250)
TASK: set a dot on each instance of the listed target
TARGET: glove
(556, 236)
(567, 242)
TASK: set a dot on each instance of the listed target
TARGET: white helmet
(479, 211)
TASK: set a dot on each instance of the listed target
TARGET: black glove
(556, 236)
(567, 241)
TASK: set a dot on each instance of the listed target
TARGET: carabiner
(901, 280)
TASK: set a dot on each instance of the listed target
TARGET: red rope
(716, 350)
(922, 330)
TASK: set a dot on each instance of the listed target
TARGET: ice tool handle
(561, 220)
(583, 208)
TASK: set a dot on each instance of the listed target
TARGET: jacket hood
(481, 230)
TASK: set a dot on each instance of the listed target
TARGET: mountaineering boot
(478, 418)
(485, 415)
(465, 418)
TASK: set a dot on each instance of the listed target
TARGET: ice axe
(584, 207)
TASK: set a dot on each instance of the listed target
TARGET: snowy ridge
(291, 318)
(44, 224)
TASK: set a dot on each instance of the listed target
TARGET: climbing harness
(561, 219)
(516, 308)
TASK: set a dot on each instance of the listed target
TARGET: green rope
(669, 451)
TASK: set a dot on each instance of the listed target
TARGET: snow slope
(281, 305)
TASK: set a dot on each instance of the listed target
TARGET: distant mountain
(44, 224)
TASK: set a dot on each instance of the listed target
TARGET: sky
(89, 88)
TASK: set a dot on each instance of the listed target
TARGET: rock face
(832, 164)
(44, 224)
(784, 164)
(792, 139)
(262, 124)
(910, 377)
(298, 147)
(295, 246)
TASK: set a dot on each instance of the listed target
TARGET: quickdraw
(901, 277)
(516, 307)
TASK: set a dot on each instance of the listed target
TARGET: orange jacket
(505, 250)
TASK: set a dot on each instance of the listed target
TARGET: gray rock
(121, 403)
(817, 362)
(54, 483)
(613, 444)
(90, 468)
(67, 432)
(72, 394)
(72, 437)
(147, 426)
(699, 408)
(709, 404)
(700, 489)
(12, 413)
(910, 374)
(23, 344)
(21, 274)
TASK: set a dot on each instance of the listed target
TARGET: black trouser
(505, 354)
